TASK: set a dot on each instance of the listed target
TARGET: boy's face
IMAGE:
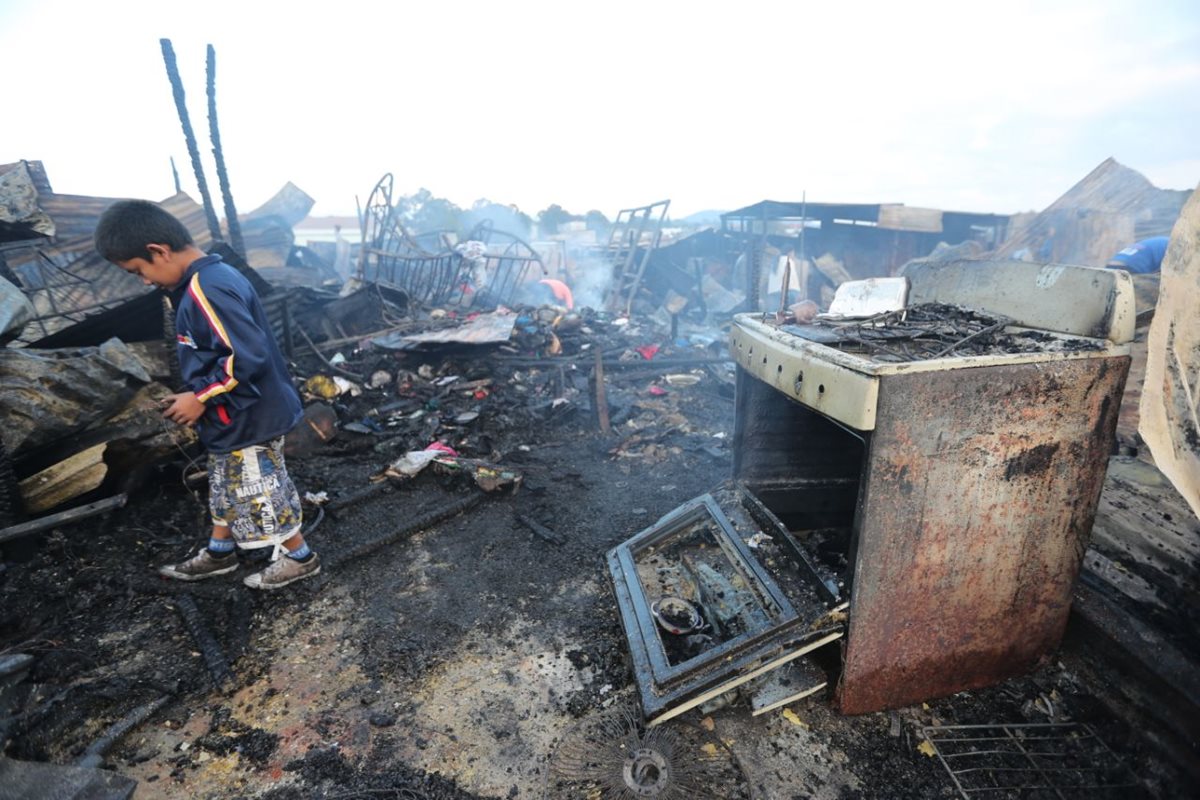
(164, 269)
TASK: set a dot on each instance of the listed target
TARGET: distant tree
(408, 205)
(596, 221)
(551, 217)
(422, 212)
(438, 214)
(509, 219)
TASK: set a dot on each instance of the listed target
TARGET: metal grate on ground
(1047, 760)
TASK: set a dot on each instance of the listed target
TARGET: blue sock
(300, 553)
(220, 547)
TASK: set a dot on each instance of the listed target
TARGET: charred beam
(210, 648)
(356, 497)
(94, 755)
(601, 396)
(354, 376)
(422, 522)
(231, 217)
(541, 530)
(214, 227)
(61, 518)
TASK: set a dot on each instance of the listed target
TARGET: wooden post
(601, 395)
(231, 217)
(214, 227)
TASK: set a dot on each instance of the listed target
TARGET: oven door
(744, 626)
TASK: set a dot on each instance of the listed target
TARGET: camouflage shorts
(250, 492)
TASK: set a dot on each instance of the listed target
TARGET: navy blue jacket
(229, 358)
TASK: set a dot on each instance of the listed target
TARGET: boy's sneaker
(200, 566)
(282, 572)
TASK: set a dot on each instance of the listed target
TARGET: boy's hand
(183, 408)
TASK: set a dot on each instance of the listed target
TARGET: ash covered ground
(449, 662)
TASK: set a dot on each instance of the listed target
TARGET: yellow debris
(793, 718)
(321, 386)
(926, 748)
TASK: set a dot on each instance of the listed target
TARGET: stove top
(960, 315)
(935, 330)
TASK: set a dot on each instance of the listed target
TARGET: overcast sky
(962, 105)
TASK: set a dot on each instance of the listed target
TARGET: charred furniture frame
(434, 268)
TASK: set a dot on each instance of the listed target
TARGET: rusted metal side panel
(979, 496)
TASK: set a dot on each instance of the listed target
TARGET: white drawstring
(274, 542)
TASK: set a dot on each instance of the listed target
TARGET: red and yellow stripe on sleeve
(225, 385)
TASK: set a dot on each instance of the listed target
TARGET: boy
(239, 398)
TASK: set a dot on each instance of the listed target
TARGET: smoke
(590, 279)
(507, 219)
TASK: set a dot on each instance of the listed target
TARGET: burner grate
(1066, 760)
(934, 330)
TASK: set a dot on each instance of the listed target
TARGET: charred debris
(909, 437)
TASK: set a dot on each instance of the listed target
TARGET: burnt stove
(918, 486)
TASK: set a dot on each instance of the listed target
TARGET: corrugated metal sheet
(910, 218)
(191, 214)
(69, 280)
(268, 241)
(75, 215)
(484, 329)
(290, 203)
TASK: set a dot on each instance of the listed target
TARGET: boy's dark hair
(127, 226)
